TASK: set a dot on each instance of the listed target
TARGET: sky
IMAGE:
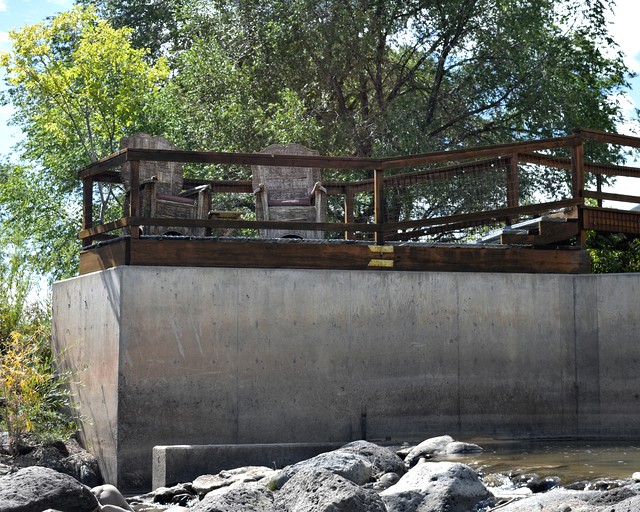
(624, 28)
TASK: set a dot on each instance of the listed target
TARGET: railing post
(512, 185)
(348, 211)
(577, 182)
(134, 196)
(87, 208)
(378, 198)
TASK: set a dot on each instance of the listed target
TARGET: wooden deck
(548, 236)
(346, 255)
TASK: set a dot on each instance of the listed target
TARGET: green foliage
(38, 222)
(155, 23)
(613, 253)
(33, 397)
(77, 86)
(400, 77)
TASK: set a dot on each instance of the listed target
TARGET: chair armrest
(318, 188)
(194, 191)
(261, 198)
(148, 181)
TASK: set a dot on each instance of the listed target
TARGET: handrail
(419, 170)
(327, 162)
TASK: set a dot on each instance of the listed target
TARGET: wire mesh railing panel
(612, 176)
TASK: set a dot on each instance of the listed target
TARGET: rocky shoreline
(360, 476)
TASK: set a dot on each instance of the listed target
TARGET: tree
(155, 23)
(397, 76)
(77, 86)
(613, 252)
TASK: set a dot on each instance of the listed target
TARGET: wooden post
(134, 202)
(577, 181)
(378, 201)
(206, 197)
(87, 208)
(348, 211)
(512, 185)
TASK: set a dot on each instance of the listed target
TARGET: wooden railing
(385, 174)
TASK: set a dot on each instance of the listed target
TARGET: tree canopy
(396, 76)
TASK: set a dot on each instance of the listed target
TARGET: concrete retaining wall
(241, 356)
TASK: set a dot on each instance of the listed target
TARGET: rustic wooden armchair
(161, 193)
(289, 194)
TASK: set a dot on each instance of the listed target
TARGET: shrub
(33, 398)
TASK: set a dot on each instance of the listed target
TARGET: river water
(571, 461)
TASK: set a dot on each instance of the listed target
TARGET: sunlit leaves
(77, 86)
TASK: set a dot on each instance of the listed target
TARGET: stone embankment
(360, 476)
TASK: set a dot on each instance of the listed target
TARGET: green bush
(34, 398)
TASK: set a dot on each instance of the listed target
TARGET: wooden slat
(549, 233)
(353, 256)
(220, 186)
(489, 215)
(105, 256)
(612, 197)
(327, 162)
(103, 165)
(248, 159)
(608, 138)
(482, 152)
(454, 221)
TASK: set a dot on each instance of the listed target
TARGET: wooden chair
(161, 193)
(292, 194)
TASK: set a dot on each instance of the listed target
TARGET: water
(570, 461)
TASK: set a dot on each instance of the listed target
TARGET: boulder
(441, 445)
(207, 483)
(556, 500)
(109, 495)
(382, 459)
(436, 486)
(239, 497)
(319, 490)
(36, 488)
(352, 466)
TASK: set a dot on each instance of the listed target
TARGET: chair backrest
(168, 174)
(286, 183)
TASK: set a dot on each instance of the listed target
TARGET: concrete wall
(217, 356)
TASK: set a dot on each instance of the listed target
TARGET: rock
(319, 490)
(207, 483)
(82, 465)
(65, 457)
(382, 459)
(240, 497)
(543, 484)
(459, 447)
(113, 508)
(552, 501)
(384, 482)
(179, 494)
(36, 488)
(352, 466)
(629, 505)
(636, 476)
(109, 495)
(441, 445)
(436, 486)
